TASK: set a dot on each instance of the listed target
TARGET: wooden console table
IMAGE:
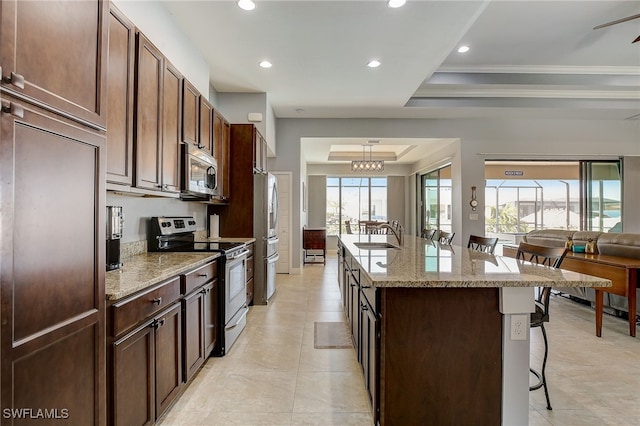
(314, 239)
(622, 271)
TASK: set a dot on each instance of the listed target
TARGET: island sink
(370, 245)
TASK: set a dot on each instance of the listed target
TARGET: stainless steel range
(178, 234)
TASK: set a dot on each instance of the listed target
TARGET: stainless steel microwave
(199, 173)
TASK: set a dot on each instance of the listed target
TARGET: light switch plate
(473, 216)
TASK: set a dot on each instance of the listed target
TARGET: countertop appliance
(115, 223)
(173, 234)
(199, 173)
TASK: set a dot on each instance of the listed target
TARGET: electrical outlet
(519, 326)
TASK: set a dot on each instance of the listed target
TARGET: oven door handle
(242, 253)
(273, 259)
(245, 311)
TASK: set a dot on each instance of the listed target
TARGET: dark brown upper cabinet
(55, 54)
(157, 120)
(171, 128)
(222, 147)
(206, 126)
(190, 111)
(120, 89)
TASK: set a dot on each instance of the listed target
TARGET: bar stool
(553, 257)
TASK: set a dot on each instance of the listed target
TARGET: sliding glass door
(436, 200)
(602, 200)
(521, 196)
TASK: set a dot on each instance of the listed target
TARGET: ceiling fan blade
(618, 21)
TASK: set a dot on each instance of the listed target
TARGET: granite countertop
(147, 269)
(424, 263)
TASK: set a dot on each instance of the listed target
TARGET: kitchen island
(431, 328)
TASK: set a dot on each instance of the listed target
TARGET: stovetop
(178, 234)
(204, 246)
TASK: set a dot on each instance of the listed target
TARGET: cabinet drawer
(198, 277)
(251, 248)
(130, 312)
(249, 264)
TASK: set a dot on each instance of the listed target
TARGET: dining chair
(446, 237)
(428, 233)
(347, 226)
(485, 244)
(553, 257)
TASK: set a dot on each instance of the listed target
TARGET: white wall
(236, 106)
(479, 139)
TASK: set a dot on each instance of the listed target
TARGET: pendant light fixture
(369, 165)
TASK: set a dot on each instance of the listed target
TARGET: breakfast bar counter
(431, 325)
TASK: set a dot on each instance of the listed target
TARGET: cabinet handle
(203, 275)
(165, 187)
(14, 109)
(364, 307)
(161, 322)
(15, 79)
(157, 301)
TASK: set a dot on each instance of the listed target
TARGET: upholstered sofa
(622, 245)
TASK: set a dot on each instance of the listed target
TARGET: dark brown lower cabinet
(210, 317)
(370, 349)
(52, 265)
(428, 355)
(148, 369)
(354, 312)
(194, 355)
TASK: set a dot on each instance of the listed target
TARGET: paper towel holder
(214, 226)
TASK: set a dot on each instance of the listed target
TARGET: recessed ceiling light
(396, 3)
(246, 5)
(266, 64)
(374, 63)
(463, 49)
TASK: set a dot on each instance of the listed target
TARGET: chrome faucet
(397, 232)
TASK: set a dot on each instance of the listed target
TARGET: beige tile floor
(274, 376)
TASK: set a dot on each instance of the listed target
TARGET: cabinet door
(193, 333)
(257, 151)
(206, 126)
(226, 160)
(168, 357)
(148, 114)
(354, 313)
(171, 128)
(369, 346)
(52, 287)
(133, 378)
(190, 111)
(263, 153)
(120, 99)
(56, 53)
(211, 319)
(221, 147)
